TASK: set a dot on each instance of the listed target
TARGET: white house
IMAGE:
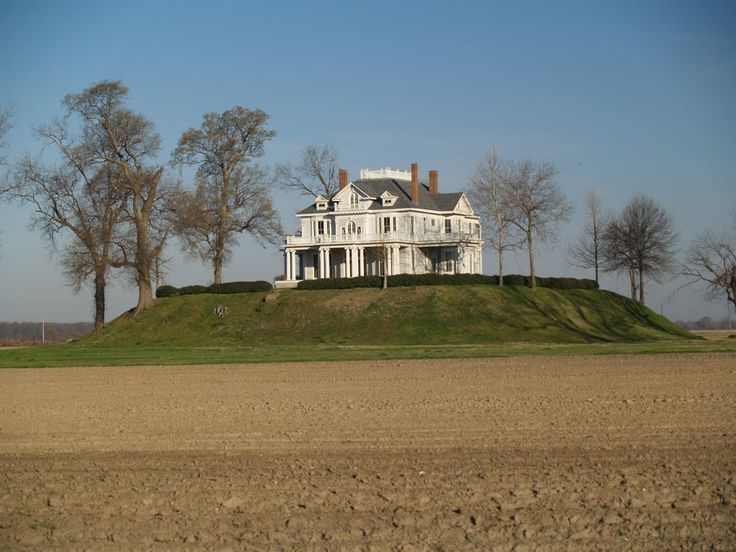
(387, 218)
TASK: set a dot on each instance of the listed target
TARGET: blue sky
(624, 97)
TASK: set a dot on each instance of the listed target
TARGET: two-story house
(387, 220)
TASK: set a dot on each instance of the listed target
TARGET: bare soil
(558, 453)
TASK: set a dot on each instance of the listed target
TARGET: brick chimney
(415, 183)
(433, 186)
(343, 178)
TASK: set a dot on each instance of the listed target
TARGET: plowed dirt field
(527, 453)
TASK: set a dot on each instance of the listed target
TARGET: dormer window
(387, 200)
(320, 203)
(354, 200)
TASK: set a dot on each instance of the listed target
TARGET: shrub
(570, 283)
(167, 291)
(192, 290)
(240, 287)
(341, 283)
(515, 280)
(405, 280)
(227, 287)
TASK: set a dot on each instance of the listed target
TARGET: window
(448, 226)
(320, 227)
(386, 225)
(394, 224)
(322, 205)
(351, 227)
(411, 225)
(354, 200)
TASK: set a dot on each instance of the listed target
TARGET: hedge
(404, 280)
(227, 287)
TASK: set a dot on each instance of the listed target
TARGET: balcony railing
(388, 237)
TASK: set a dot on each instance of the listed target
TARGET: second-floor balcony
(426, 238)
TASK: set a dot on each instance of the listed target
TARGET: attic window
(387, 200)
(321, 205)
(353, 200)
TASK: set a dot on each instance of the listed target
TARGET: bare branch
(315, 174)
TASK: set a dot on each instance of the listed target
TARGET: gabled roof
(375, 187)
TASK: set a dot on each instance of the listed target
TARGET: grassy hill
(400, 316)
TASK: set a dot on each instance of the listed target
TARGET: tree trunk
(217, 263)
(143, 255)
(500, 257)
(531, 259)
(221, 232)
(500, 268)
(596, 269)
(632, 281)
(641, 286)
(99, 298)
(142, 259)
(145, 296)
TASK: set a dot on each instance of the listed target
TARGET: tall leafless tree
(587, 250)
(711, 259)
(232, 195)
(74, 198)
(117, 136)
(640, 241)
(316, 173)
(489, 192)
(538, 205)
(618, 255)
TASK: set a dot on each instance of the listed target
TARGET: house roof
(374, 187)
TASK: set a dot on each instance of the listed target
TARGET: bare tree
(74, 198)
(232, 195)
(711, 259)
(617, 253)
(315, 174)
(538, 205)
(117, 136)
(489, 192)
(587, 250)
(640, 241)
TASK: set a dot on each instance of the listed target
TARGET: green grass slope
(428, 315)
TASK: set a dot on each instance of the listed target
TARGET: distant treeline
(708, 323)
(32, 332)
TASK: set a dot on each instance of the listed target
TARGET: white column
(361, 261)
(294, 273)
(286, 264)
(396, 258)
(321, 268)
(327, 263)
